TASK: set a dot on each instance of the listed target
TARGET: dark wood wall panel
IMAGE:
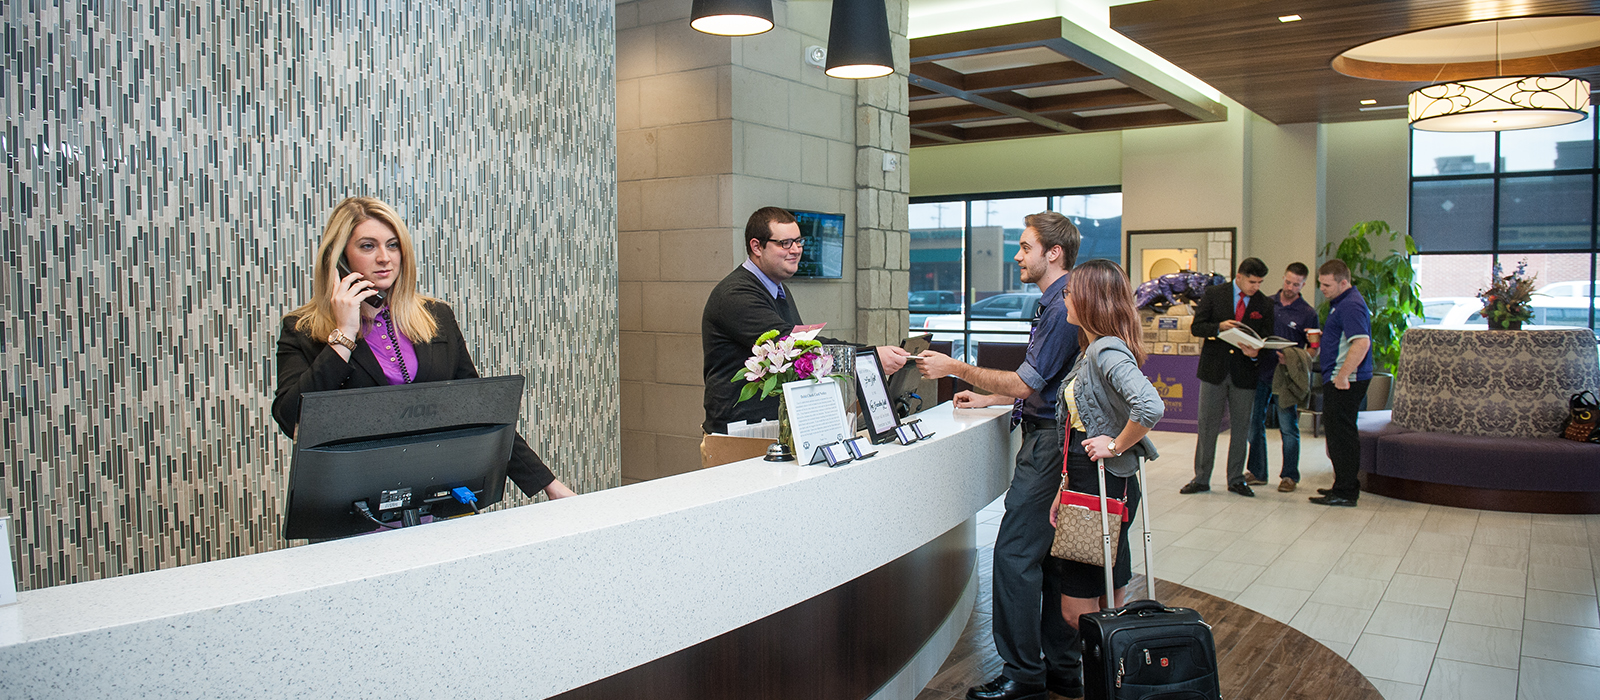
(841, 645)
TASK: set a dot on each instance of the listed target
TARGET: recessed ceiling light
(1369, 102)
(1289, 18)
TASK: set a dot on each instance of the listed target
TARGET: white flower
(822, 366)
(779, 366)
(753, 370)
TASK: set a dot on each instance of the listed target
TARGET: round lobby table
(752, 579)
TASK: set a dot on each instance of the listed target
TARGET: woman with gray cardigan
(1110, 406)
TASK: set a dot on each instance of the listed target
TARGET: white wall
(1364, 169)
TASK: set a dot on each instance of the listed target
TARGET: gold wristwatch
(339, 338)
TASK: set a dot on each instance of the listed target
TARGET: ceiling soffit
(1039, 78)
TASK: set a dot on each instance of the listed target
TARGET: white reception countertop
(524, 602)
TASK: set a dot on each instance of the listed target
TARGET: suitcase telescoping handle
(1105, 536)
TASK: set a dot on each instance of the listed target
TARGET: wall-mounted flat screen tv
(824, 253)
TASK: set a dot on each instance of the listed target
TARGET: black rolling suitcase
(1145, 650)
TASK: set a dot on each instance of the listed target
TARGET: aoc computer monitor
(397, 453)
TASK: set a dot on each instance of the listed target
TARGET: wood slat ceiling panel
(1282, 71)
(990, 81)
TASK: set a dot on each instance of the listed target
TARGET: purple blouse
(394, 351)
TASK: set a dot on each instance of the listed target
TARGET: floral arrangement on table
(1505, 302)
(776, 360)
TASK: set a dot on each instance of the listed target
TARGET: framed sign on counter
(816, 417)
(874, 394)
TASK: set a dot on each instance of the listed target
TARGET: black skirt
(1077, 579)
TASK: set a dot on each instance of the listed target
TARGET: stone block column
(883, 239)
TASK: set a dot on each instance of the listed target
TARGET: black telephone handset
(376, 300)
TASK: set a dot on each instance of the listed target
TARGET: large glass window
(1517, 198)
(966, 287)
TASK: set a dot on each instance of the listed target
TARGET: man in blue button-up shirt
(1034, 641)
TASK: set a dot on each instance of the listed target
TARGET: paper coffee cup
(1314, 337)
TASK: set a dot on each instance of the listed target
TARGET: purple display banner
(1174, 378)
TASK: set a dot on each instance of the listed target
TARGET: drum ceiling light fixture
(858, 32)
(731, 17)
(858, 40)
(1499, 103)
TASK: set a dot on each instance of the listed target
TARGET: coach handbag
(1079, 532)
(1583, 421)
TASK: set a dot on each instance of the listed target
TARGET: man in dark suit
(1228, 374)
(752, 300)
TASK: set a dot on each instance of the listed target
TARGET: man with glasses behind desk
(750, 301)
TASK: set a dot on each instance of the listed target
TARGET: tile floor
(1428, 602)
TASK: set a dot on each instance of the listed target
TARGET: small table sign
(816, 417)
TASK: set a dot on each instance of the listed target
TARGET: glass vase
(785, 434)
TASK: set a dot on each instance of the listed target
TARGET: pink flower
(804, 366)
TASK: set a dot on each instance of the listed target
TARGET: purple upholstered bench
(1528, 475)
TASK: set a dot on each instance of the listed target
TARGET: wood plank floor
(1259, 657)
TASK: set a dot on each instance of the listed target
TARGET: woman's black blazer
(308, 364)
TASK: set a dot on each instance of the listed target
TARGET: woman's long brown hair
(1103, 299)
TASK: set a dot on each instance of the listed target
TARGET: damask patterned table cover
(1492, 383)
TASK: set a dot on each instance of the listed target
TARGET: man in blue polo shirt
(1291, 317)
(1346, 371)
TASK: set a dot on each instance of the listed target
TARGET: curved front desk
(749, 580)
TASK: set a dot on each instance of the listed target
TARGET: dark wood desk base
(1507, 500)
(841, 645)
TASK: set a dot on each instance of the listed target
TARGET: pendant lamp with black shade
(731, 17)
(858, 40)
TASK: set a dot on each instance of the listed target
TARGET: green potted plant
(1388, 283)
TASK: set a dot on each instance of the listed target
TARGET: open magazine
(1245, 337)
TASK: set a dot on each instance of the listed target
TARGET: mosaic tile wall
(168, 169)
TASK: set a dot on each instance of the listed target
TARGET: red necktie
(1238, 311)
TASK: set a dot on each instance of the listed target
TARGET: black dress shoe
(1065, 686)
(1192, 487)
(1333, 501)
(1242, 489)
(1002, 688)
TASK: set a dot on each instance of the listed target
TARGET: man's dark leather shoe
(1192, 487)
(1254, 480)
(1324, 492)
(1242, 489)
(1066, 686)
(1002, 688)
(1333, 501)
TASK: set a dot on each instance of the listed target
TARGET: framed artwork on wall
(1156, 252)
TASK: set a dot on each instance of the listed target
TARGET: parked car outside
(998, 314)
(1548, 312)
(1577, 288)
(925, 303)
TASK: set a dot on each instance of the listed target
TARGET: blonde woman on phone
(368, 325)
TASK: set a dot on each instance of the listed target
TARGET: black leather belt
(1032, 424)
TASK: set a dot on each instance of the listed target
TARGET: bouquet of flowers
(775, 360)
(1505, 302)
